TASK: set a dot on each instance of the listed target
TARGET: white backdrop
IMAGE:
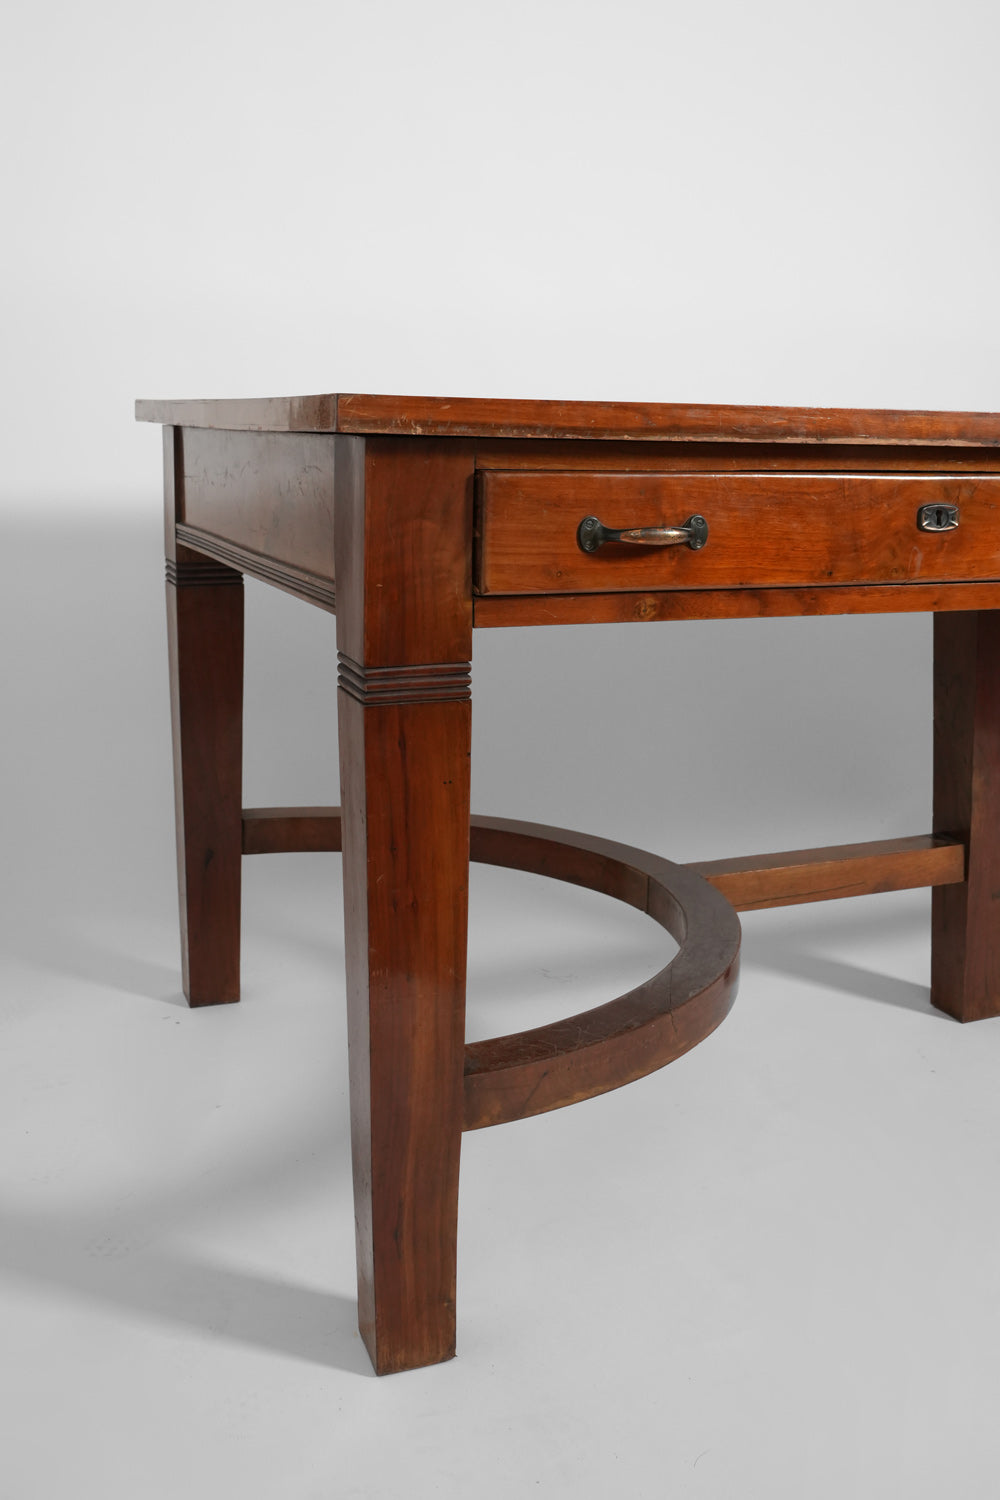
(773, 203)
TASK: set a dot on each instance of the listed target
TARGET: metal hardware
(937, 518)
(590, 534)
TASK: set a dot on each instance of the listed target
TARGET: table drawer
(764, 530)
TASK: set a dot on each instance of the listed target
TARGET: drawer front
(764, 530)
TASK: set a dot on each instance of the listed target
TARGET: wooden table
(419, 519)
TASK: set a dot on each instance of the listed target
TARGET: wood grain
(681, 455)
(405, 552)
(530, 1072)
(965, 919)
(763, 880)
(748, 882)
(205, 639)
(296, 581)
(267, 414)
(403, 537)
(270, 493)
(291, 830)
(496, 611)
(765, 530)
(437, 682)
(438, 416)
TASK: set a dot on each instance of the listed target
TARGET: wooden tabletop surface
(465, 416)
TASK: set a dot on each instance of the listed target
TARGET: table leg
(205, 634)
(403, 539)
(965, 954)
(405, 792)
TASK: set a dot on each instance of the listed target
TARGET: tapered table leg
(406, 866)
(965, 956)
(205, 631)
(404, 629)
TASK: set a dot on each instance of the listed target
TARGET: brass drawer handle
(590, 534)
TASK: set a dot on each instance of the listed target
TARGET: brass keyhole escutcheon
(937, 517)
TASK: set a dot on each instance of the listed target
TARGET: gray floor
(768, 1271)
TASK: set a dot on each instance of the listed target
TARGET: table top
(465, 416)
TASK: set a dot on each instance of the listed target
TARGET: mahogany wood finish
(965, 919)
(493, 611)
(205, 645)
(443, 416)
(682, 455)
(307, 586)
(404, 630)
(261, 502)
(270, 493)
(366, 505)
(761, 880)
(749, 882)
(205, 637)
(777, 529)
(527, 1073)
(530, 1072)
(291, 830)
